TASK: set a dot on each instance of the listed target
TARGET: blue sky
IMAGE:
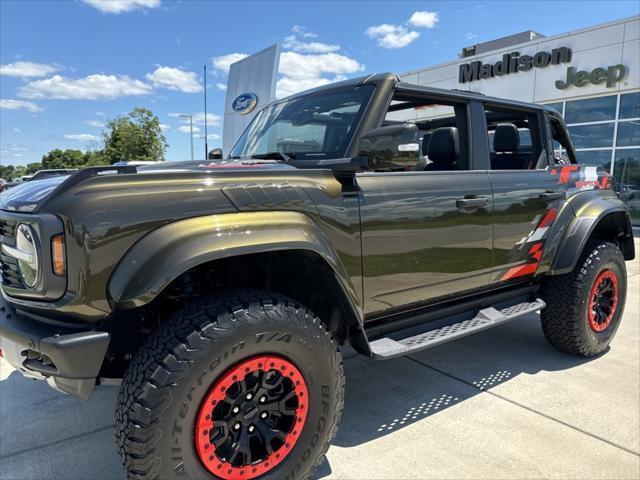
(68, 66)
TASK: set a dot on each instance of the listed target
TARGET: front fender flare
(173, 249)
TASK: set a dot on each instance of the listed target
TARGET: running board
(386, 348)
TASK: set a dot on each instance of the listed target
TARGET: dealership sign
(514, 62)
(244, 103)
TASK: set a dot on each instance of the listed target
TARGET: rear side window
(515, 141)
(443, 126)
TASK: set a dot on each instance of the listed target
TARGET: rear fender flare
(582, 227)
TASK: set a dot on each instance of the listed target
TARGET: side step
(386, 348)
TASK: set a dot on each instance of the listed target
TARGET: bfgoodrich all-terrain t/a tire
(240, 386)
(584, 307)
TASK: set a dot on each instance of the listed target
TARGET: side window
(443, 127)
(515, 140)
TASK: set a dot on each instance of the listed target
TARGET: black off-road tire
(565, 320)
(167, 380)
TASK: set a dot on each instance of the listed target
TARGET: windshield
(312, 127)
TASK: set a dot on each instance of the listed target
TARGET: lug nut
(235, 410)
(263, 398)
(249, 396)
(251, 428)
(264, 415)
(236, 426)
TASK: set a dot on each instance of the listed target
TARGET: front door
(425, 235)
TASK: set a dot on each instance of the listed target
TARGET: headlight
(26, 252)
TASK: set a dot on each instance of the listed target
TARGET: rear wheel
(244, 386)
(584, 307)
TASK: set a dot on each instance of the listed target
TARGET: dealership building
(591, 75)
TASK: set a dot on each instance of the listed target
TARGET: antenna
(206, 146)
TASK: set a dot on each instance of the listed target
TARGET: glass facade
(606, 132)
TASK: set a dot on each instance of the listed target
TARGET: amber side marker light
(57, 255)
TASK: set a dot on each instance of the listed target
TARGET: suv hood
(26, 196)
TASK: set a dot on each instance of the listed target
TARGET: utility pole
(206, 146)
(190, 117)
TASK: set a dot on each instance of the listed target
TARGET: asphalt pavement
(499, 404)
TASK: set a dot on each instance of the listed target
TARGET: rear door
(426, 228)
(527, 193)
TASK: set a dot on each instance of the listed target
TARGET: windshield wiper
(275, 155)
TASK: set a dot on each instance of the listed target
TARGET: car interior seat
(443, 149)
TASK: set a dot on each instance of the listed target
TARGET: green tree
(33, 168)
(136, 136)
(7, 172)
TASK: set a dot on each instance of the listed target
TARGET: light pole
(190, 117)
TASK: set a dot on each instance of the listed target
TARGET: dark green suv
(375, 213)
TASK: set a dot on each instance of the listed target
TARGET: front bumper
(70, 358)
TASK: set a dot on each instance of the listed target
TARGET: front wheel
(584, 307)
(243, 386)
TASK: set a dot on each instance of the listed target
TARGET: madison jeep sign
(514, 62)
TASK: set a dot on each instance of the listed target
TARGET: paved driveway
(500, 404)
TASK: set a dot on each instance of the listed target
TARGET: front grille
(9, 275)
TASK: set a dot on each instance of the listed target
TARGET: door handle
(551, 195)
(473, 202)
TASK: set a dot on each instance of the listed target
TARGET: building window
(628, 134)
(600, 158)
(592, 136)
(597, 109)
(629, 105)
(556, 106)
(627, 175)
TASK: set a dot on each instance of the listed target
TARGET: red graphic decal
(536, 251)
(514, 272)
(548, 218)
(565, 173)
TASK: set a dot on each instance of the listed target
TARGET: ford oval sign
(245, 103)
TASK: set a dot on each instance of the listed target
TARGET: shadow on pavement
(381, 397)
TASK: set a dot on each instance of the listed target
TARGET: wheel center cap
(250, 412)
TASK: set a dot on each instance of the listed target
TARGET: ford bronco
(372, 213)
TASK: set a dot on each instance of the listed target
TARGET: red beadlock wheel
(251, 418)
(603, 300)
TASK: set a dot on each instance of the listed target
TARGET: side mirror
(215, 154)
(394, 147)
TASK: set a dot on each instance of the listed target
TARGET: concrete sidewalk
(499, 404)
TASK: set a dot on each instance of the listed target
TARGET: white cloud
(164, 127)
(174, 79)
(392, 36)
(16, 130)
(221, 86)
(81, 137)
(95, 123)
(223, 62)
(100, 114)
(424, 19)
(212, 136)
(91, 87)
(398, 36)
(17, 155)
(301, 72)
(10, 104)
(198, 118)
(302, 31)
(291, 42)
(120, 6)
(17, 148)
(187, 129)
(470, 35)
(27, 69)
